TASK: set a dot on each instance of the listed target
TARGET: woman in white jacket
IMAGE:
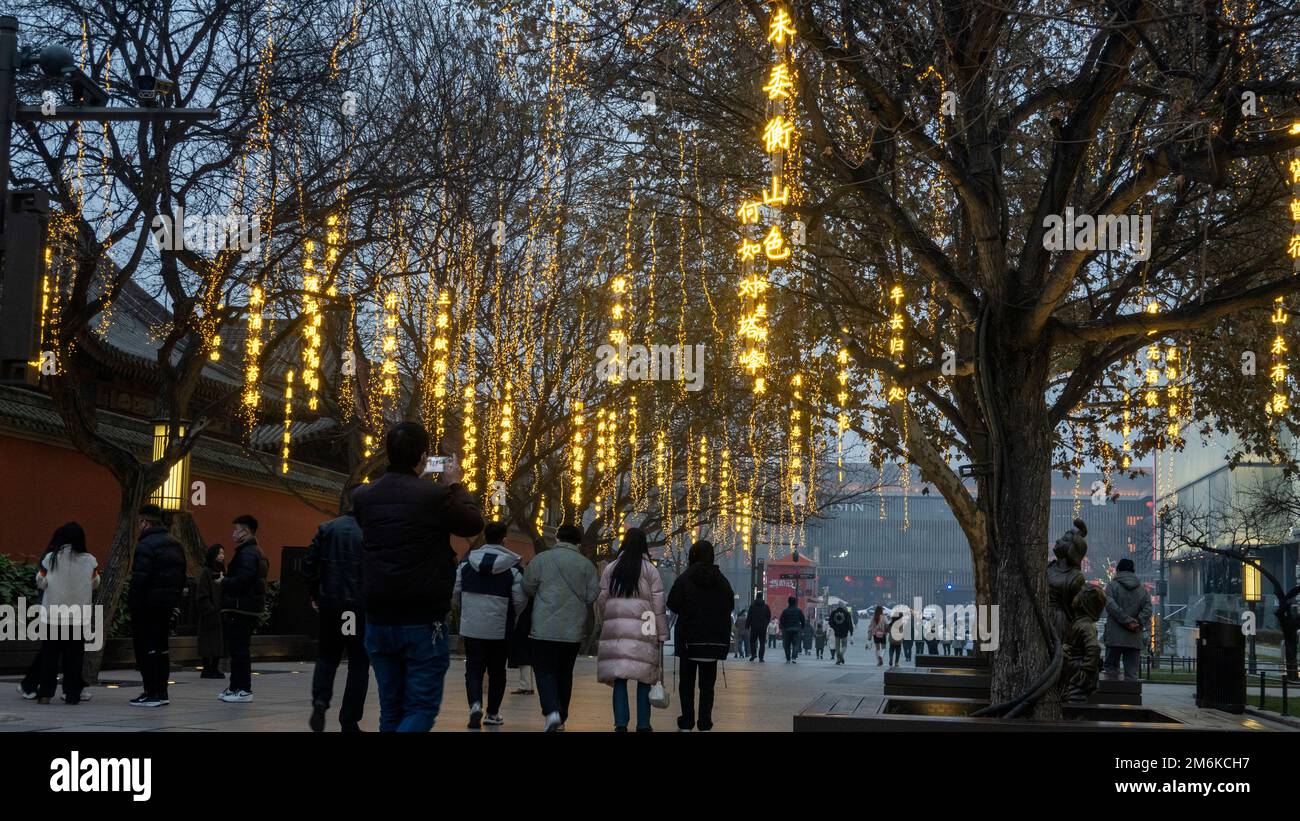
(69, 576)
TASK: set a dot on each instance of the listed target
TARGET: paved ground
(755, 697)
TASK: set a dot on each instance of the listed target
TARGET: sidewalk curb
(1276, 718)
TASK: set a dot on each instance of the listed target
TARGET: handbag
(659, 697)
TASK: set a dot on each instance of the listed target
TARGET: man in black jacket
(842, 626)
(157, 579)
(332, 569)
(410, 571)
(702, 599)
(792, 622)
(243, 598)
(759, 616)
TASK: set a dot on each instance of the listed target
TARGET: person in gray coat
(1128, 612)
(562, 583)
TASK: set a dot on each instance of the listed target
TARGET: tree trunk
(117, 570)
(1022, 500)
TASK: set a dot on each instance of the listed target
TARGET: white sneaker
(26, 695)
(240, 697)
(552, 723)
(494, 720)
(475, 715)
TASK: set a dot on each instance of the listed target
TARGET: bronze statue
(1065, 577)
(1080, 647)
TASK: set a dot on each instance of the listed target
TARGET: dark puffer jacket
(332, 566)
(243, 590)
(157, 571)
(702, 598)
(408, 522)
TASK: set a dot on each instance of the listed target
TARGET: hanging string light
(311, 326)
(577, 453)
(469, 449)
(841, 399)
(388, 370)
(288, 421)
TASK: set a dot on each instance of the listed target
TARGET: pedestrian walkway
(751, 697)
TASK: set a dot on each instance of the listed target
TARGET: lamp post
(170, 495)
(1250, 588)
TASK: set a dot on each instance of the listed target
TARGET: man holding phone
(410, 570)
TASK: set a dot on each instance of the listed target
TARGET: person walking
(909, 627)
(702, 598)
(333, 571)
(895, 641)
(819, 637)
(1128, 613)
(563, 584)
(243, 599)
(634, 627)
(841, 623)
(68, 577)
(792, 625)
(772, 632)
(490, 593)
(32, 681)
(409, 571)
(207, 604)
(521, 643)
(157, 580)
(879, 629)
(741, 632)
(807, 635)
(759, 622)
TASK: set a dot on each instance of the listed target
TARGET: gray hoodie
(488, 584)
(1126, 599)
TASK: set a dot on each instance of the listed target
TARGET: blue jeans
(410, 662)
(623, 711)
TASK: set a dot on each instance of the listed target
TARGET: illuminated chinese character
(751, 327)
(1152, 399)
(779, 84)
(1294, 247)
(1295, 208)
(1280, 403)
(752, 360)
(1280, 315)
(1153, 376)
(897, 394)
(774, 245)
(896, 294)
(748, 212)
(896, 322)
(1278, 372)
(748, 250)
(780, 27)
(778, 194)
(1279, 345)
(753, 287)
(776, 135)
(1295, 170)
(895, 345)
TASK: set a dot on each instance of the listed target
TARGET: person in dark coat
(1128, 613)
(157, 580)
(207, 604)
(243, 599)
(841, 624)
(410, 572)
(332, 569)
(759, 616)
(702, 599)
(792, 624)
(521, 643)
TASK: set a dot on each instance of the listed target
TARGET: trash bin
(1221, 667)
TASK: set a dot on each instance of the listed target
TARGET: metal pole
(8, 104)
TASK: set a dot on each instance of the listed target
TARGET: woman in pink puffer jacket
(633, 630)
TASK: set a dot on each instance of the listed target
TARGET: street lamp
(1250, 588)
(170, 495)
